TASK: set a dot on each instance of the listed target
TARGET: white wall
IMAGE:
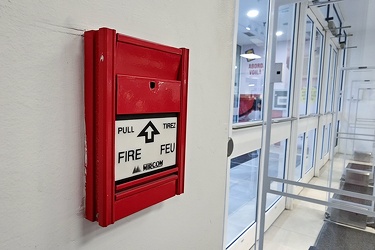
(42, 123)
(363, 35)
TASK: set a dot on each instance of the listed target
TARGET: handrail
(325, 189)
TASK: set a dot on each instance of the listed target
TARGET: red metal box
(135, 115)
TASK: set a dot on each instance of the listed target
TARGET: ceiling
(257, 25)
(359, 14)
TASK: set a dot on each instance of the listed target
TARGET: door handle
(230, 147)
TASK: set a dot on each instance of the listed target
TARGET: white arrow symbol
(149, 132)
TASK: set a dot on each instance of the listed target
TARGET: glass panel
(322, 147)
(250, 63)
(276, 169)
(310, 150)
(342, 78)
(251, 39)
(236, 83)
(329, 80)
(326, 139)
(316, 73)
(329, 138)
(306, 68)
(337, 131)
(284, 55)
(242, 194)
(333, 83)
(243, 188)
(299, 157)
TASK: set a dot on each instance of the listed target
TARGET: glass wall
(342, 78)
(250, 63)
(337, 131)
(329, 138)
(248, 106)
(249, 100)
(284, 54)
(242, 194)
(316, 73)
(310, 150)
(326, 139)
(236, 83)
(299, 157)
(244, 184)
(329, 81)
(333, 79)
(306, 68)
(322, 148)
(277, 159)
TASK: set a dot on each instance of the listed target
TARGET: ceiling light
(279, 33)
(247, 28)
(250, 56)
(252, 13)
(251, 85)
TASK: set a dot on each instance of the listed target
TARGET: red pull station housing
(135, 114)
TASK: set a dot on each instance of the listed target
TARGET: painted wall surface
(42, 124)
(363, 36)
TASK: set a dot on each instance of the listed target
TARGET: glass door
(311, 81)
(249, 91)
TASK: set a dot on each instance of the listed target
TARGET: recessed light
(247, 28)
(250, 56)
(252, 13)
(279, 33)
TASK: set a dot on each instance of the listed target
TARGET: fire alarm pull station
(135, 114)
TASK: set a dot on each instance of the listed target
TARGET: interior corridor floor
(295, 229)
(298, 229)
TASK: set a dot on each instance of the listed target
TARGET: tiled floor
(297, 229)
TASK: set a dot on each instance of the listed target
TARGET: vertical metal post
(263, 181)
(298, 75)
(333, 128)
(355, 118)
(335, 103)
(263, 174)
(335, 119)
(348, 127)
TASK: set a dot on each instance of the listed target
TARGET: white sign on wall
(144, 145)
